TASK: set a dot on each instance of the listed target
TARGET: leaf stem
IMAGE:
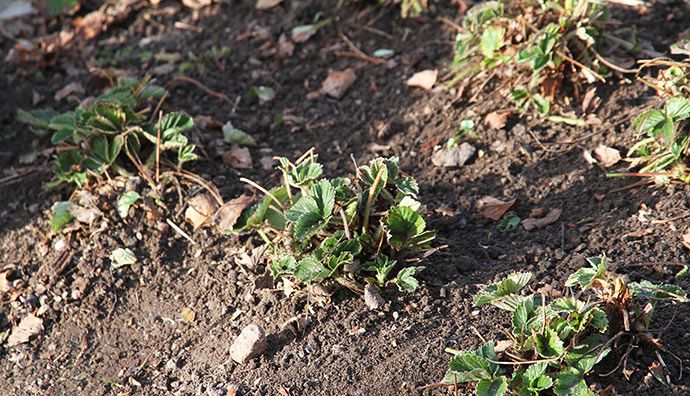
(370, 199)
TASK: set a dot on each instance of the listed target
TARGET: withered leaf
(201, 208)
(226, 217)
(338, 82)
(496, 119)
(493, 208)
(29, 325)
(266, 4)
(238, 158)
(424, 79)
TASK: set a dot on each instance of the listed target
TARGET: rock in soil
(372, 298)
(250, 344)
(454, 156)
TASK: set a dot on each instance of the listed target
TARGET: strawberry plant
(555, 344)
(326, 228)
(662, 150)
(498, 37)
(99, 138)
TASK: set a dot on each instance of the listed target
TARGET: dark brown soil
(121, 331)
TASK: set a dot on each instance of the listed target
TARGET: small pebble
(250, 344)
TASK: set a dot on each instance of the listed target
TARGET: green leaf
(595, 318)
(186, 153)
(403, 224)
(125, 201)
(496, 292)
(495, 387)
(382, 266)
(407, 186)
(492, 40)
(523, 314)
(263, 94)
(38, 119)
(587, 353)
(324, 195)
(548, 344)
(304, 173)
(64, 125)
(234, 135)
(286, 265)
(61, 215)
(542, 104)
(467, 367)
(584, 277)
(649, 120)
(121, 257)
(405, 279)
(304, 205)
(650, 291)
(678, 108)
(308, 224)
(569, 382)
(310, 269)
(509, 223)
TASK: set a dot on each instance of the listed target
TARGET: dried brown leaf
(285, 47)
(196, 4)
(606, 155)
(589, 102)
(238, 158)
(69, 89)
(267, 162)
(424, 79)
(226, 217)
(493, 208)
(201, 209)
(496, 119)
(338, 82)
(550, 218)
(266, 4)
(30, 325)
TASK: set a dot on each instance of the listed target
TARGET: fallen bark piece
(372, 298)
(550, 218)
(454, 156)
(250, 344)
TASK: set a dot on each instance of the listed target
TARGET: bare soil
(122, 332)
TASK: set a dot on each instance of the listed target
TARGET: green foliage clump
(555, 343)
(338, 228)
(94, 139)
(662, 151)
(541, 34)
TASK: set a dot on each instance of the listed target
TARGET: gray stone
(372, 297)
(454, 156)
(250, 344)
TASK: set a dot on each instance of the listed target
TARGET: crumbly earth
(122, 331)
